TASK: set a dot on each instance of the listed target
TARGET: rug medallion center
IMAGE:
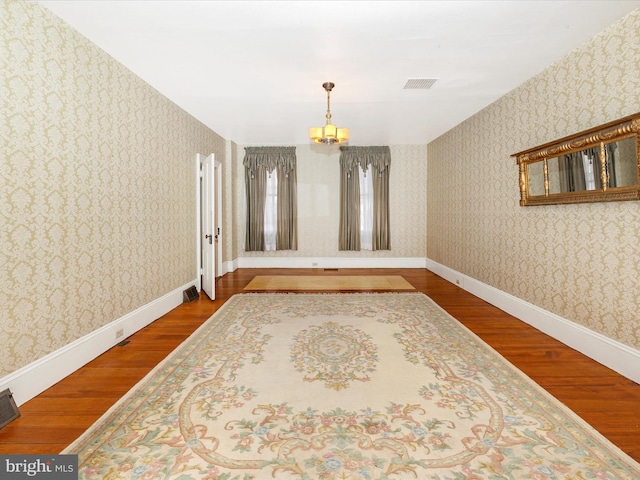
(334, 354)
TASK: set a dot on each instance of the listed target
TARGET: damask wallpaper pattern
(97, 187)
(581, 262)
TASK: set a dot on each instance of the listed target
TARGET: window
(271, 211)
(366, 209)
(270, 195)
(364, 198)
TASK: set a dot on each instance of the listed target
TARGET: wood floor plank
(608, 401)
(31, 448)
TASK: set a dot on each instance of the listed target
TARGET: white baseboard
(229, 266)
(617, 356)
(36, 377)
(330, 262)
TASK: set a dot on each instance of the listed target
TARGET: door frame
(199, 159)
(217, 168)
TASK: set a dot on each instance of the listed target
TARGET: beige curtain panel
(258, 163)
(378, 160)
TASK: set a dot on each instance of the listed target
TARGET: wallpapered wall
(97, 187)
(318, 204)
(581, 262)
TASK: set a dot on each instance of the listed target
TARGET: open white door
(208, 210)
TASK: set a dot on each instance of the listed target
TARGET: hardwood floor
(52, 420)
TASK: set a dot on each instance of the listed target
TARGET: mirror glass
(553, 165)
(623, 170)
(536, 178)
(579, 171)
(597, 165)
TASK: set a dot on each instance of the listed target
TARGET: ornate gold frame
(624, 128)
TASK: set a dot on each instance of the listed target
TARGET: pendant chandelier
(329, 134)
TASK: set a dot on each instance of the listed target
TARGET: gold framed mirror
(601, 164)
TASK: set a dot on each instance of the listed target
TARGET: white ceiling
(253, 70)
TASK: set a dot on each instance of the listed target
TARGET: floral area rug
(341, 386)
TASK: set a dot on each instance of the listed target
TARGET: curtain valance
(270, 157)
(378, 157)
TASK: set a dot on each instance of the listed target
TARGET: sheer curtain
(269, 169)
(366, 208)
(271, 211)
(376, 162)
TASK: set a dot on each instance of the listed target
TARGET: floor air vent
(190, 294)
(8, 409)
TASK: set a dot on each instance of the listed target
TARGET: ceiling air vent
(420, 83)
